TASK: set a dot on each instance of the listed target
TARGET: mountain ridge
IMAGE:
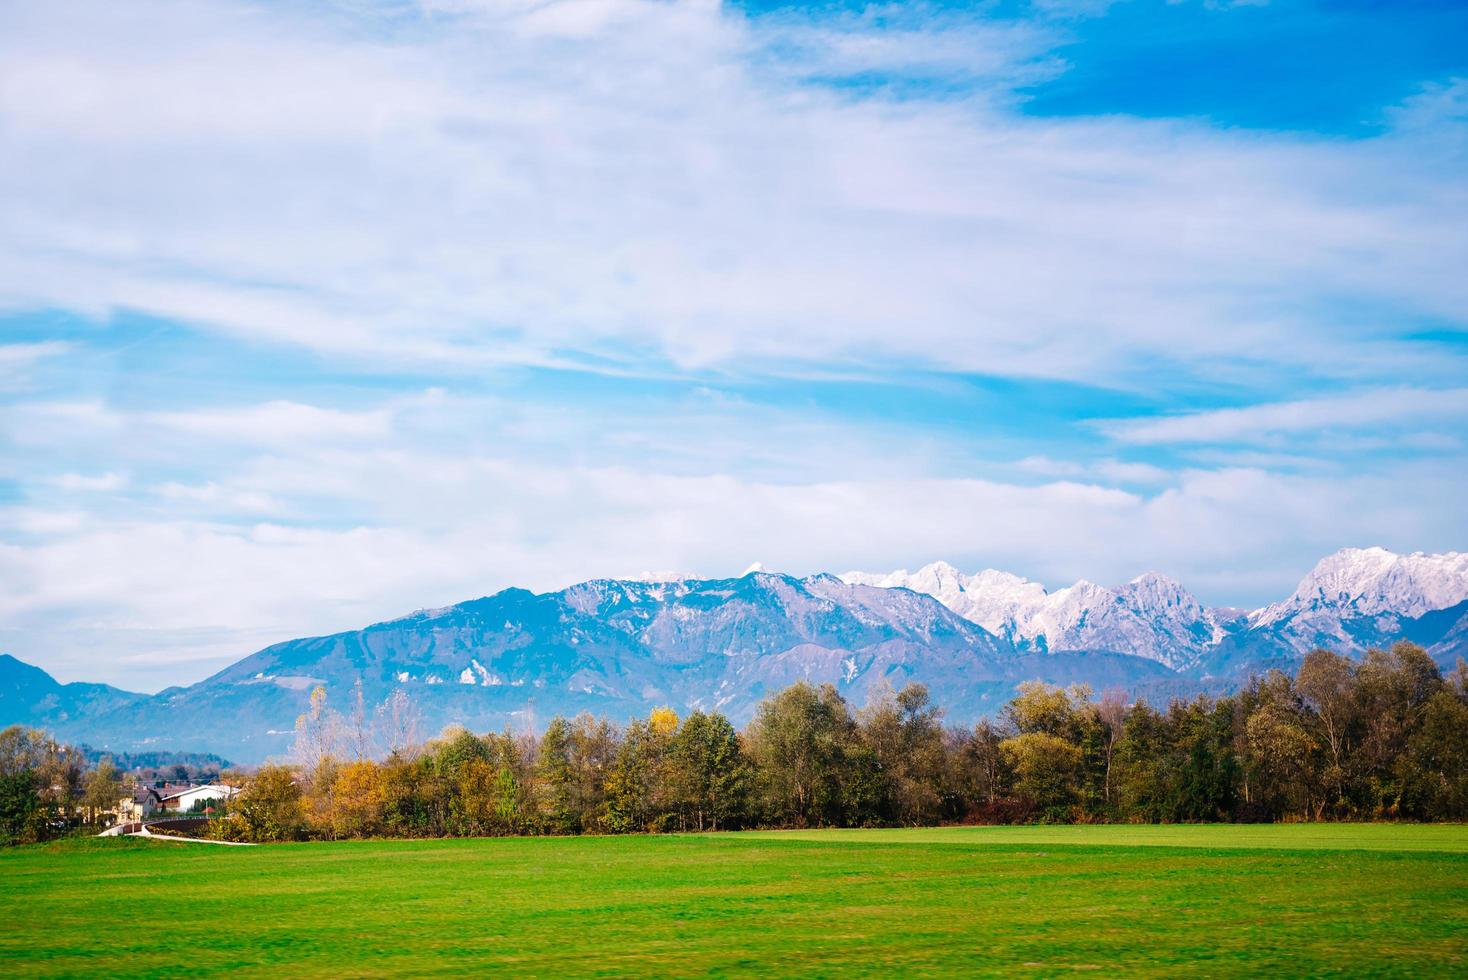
(619, 647)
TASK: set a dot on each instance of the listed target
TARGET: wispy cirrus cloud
(1338, 414)
(17, 361)
(83, 483)
(15, 356)
(277, 423)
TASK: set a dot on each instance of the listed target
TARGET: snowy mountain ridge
(1347, 599)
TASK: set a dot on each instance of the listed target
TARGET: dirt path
(145, 832)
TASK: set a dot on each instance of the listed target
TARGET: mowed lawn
(1164, 901)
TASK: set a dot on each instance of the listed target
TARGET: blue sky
(308, 319)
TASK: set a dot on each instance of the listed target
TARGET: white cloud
(643, 181)
(18, 360)
(275, 423)
(1047, 466)
(17, 356)
(287, 425)
(1337, 413)
(1120, 471)
(42, 522)
(101, 483)
(231, 500)
(1109, 471)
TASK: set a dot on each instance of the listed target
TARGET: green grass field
(1217, 900)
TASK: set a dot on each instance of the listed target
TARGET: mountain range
(619, 648)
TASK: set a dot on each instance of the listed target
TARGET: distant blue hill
(30, 696)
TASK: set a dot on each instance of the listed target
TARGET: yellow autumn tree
(357, 800)
(663, 722)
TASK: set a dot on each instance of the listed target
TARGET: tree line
(1381, 738)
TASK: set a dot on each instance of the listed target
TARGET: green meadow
(1357, 899)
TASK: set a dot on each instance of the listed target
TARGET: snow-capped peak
(758, 566)
(939, 576)
(990, 598)
(1158, 593)
(1156, 580)
(1372, 581)
(655, 577)
(938, 579)
(1151, 616)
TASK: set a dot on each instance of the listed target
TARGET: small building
(140, 804)
(184, 801)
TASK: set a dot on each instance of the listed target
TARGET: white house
(185, 800)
